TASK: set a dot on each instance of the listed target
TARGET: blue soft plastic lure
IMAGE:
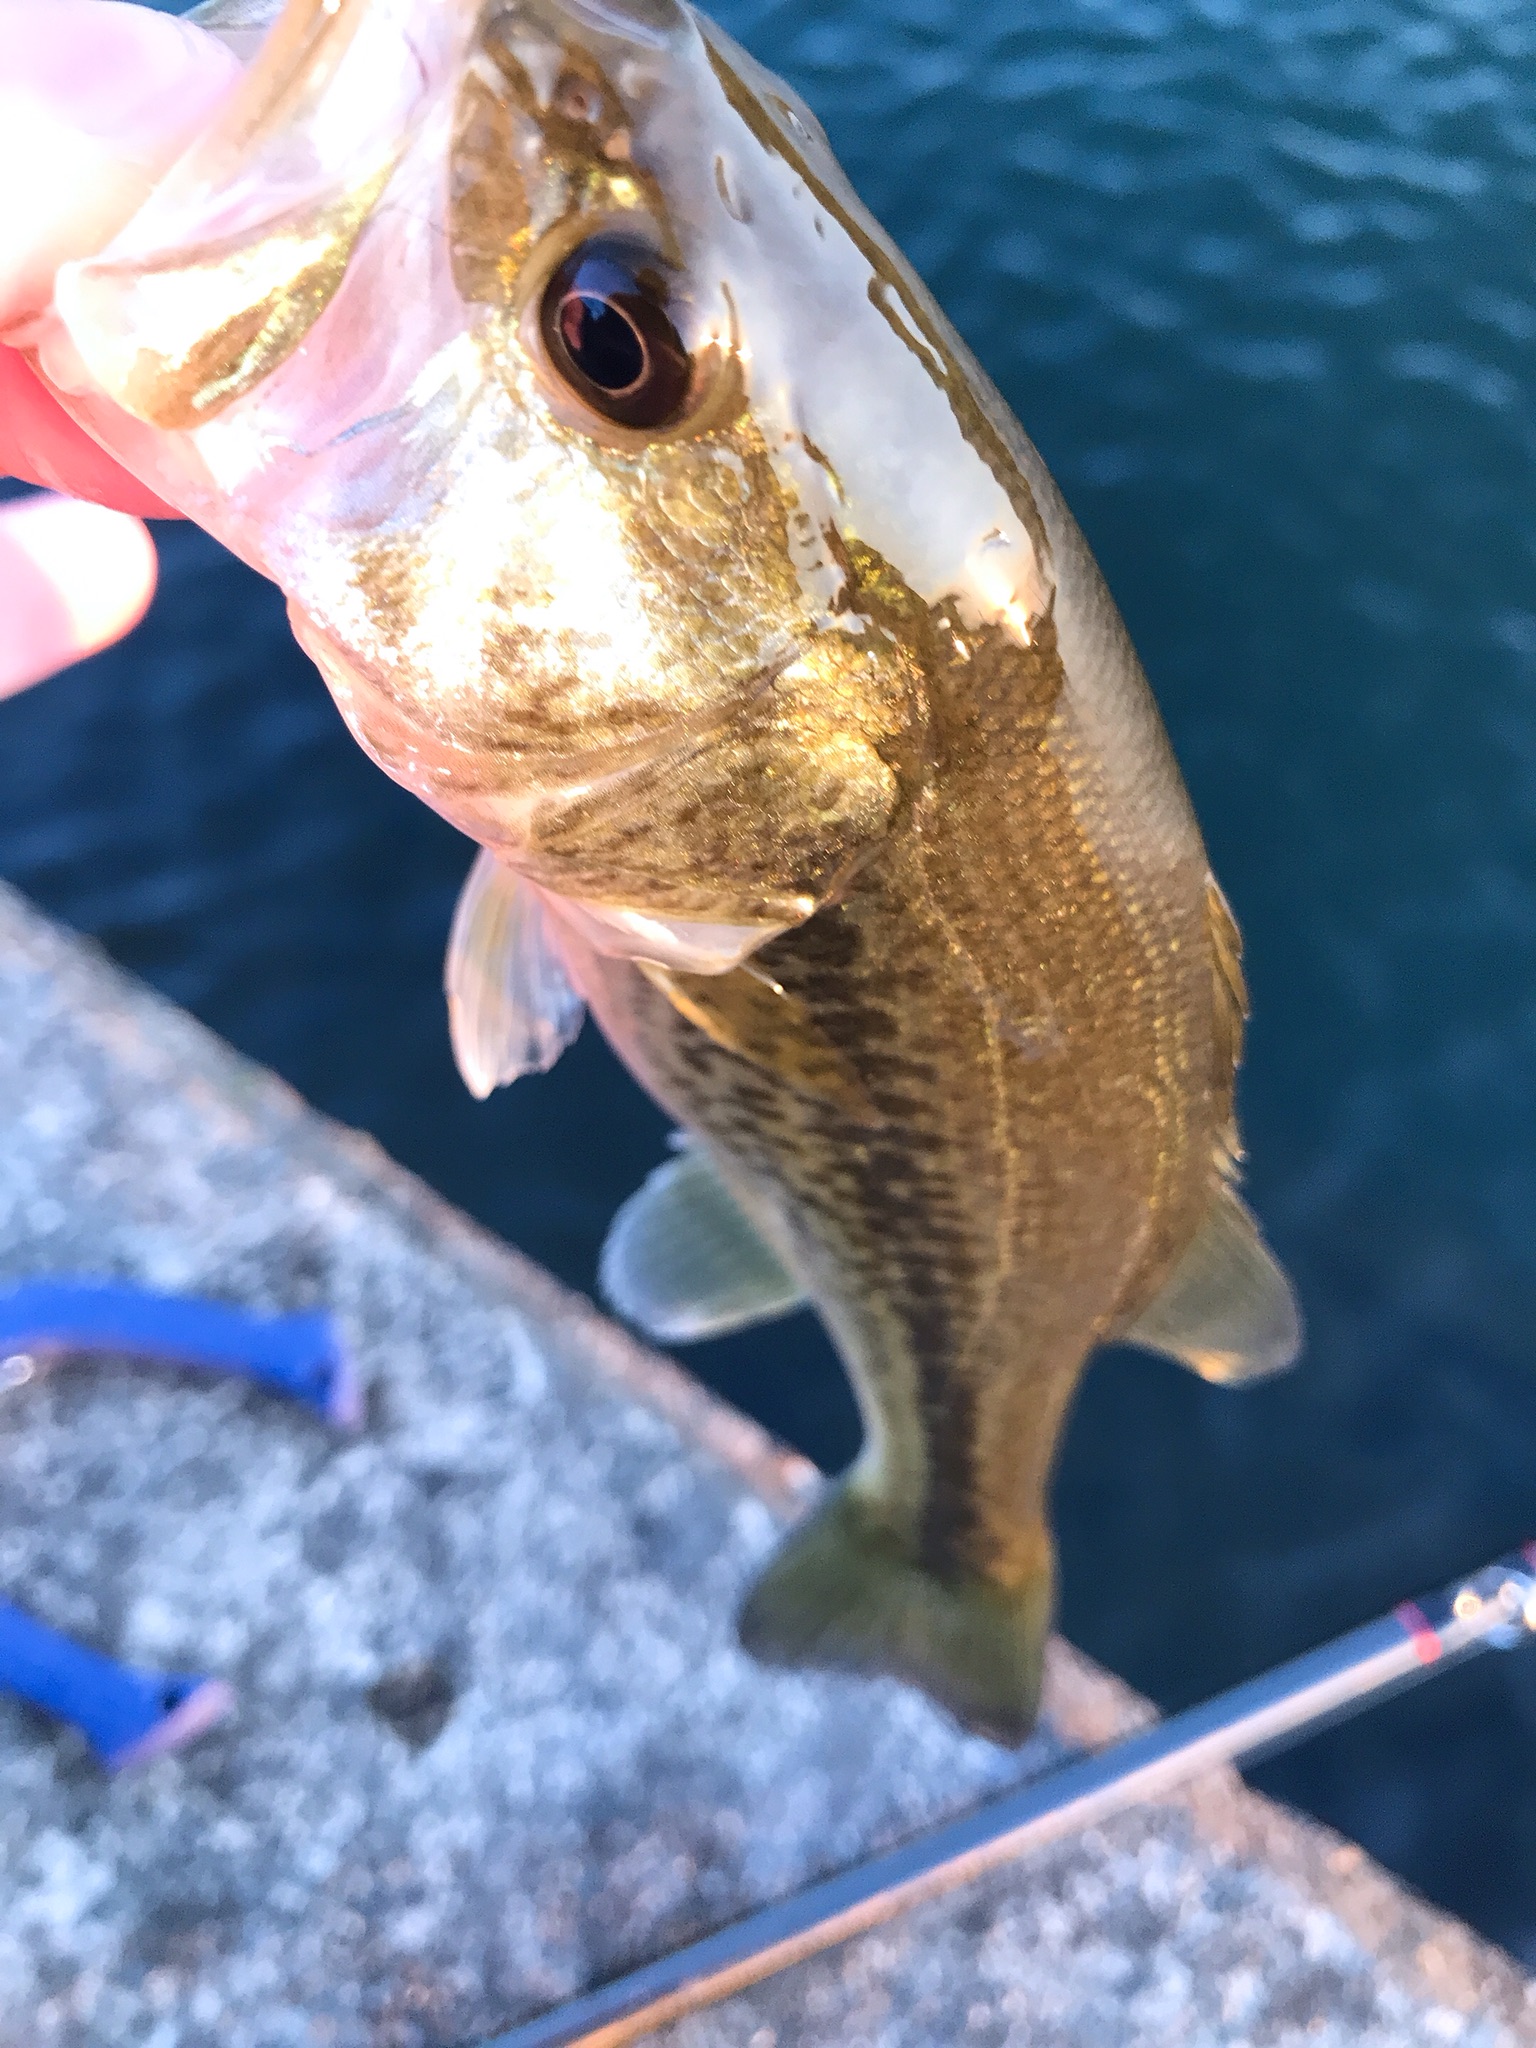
(301, 1357)
(128, 1715)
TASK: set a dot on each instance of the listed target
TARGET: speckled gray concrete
(559, 1527)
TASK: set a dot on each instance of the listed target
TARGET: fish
(648, 519)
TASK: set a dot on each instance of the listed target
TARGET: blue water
(1256, 276)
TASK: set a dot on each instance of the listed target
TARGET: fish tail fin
(845, 1594)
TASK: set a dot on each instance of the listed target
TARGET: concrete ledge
(554, 1526)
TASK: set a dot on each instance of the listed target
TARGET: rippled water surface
(1257, 278)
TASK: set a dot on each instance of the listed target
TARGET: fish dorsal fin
(682, 1261)
(1227, 1310)
(511, 1007)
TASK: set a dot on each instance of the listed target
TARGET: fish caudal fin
(1227, 1310)
(682, 1261)
(843, 1594)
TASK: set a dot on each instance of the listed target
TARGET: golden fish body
(646, 517)
(978, 1104)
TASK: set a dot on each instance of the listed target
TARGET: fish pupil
(601, 342)
(610, 336)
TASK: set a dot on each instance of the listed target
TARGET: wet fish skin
(806, 715)
(1031, 1008)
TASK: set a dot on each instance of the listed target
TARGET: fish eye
(610, 337)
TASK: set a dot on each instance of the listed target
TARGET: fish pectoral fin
(1227, 1311)
(843, 1593)
(511, 1007)
(682, 1261)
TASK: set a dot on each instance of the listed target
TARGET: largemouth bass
(647, 518)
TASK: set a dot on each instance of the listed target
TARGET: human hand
(95, 99)
(74, 577)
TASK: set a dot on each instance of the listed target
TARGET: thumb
(96, 98)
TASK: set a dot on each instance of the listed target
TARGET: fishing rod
(1493, 1609)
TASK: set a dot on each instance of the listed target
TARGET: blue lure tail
(128, 1715)
(301, 1357)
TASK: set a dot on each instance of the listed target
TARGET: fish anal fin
(844, 1594)
(753, 1017)
(682, 1261)
(1227, 1310)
